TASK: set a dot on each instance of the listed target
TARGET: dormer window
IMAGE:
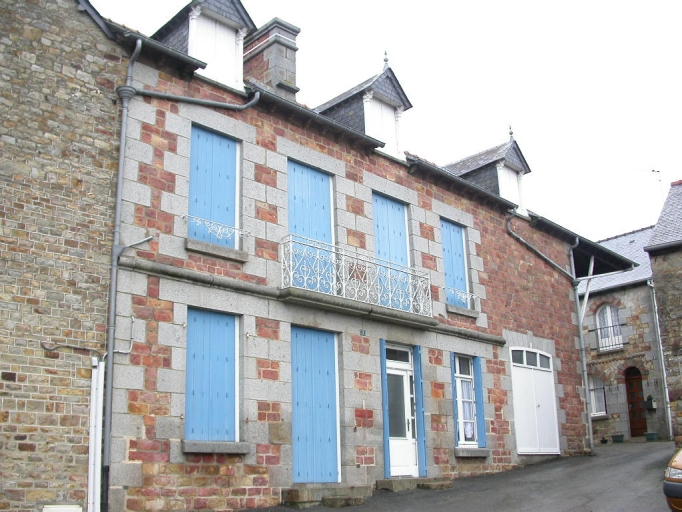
(218, 43)
(381, 122)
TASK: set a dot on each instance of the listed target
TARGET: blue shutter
(212, 184)
(314, 417)
(419, 406)
(210, 404)
(384, 401)
(480, 406)
(454, 395)
(310, 217)
(390, 244)
(454, 265)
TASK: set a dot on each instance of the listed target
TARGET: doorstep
(407, 484)
(330, 495)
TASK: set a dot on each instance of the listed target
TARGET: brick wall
(58, 157)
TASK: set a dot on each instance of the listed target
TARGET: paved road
(618, 478)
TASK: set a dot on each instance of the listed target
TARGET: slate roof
(631, 245)
(509, 151)
(668, 229)
(385, 85)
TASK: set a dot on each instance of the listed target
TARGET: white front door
(401, 413)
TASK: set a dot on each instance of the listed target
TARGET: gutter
(661, 247)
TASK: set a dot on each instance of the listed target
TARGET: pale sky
(591, 88)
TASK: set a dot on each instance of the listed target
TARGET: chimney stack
(270, 57)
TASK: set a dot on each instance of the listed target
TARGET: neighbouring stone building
(665, 251)
(58, 161)
(626, 374)
(302, 310)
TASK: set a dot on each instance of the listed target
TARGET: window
(608, 328)
(468, 397)
(211, 380)
(390, 245)
(454, 265)
(597, 396)
(212, 188)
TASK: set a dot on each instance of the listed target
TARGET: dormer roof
(509, 152)
(384, 86)
(230, 11)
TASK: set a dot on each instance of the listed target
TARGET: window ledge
(216, 250)
(481, 453)
(232, 448)
(599, 417)
(462, 311)
(610, 350)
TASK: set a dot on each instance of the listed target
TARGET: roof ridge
(625, 234)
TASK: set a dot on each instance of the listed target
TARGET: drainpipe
(125, 92)
(580, 311)
(668, 412)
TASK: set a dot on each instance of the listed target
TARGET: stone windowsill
(599, 417)
(216, 250)
(227, 447)
(473, 452)
(472, 313)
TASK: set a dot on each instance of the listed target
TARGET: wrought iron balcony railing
(610, 337)
(320, 267)
(212, 232)
(460, 298)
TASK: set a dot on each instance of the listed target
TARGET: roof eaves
(416, 163)
(311, 115)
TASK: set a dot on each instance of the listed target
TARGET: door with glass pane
(402, 425)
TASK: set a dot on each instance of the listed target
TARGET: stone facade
(667, 272)
(640, 350)
(58, 161)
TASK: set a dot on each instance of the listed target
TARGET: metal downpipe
(125, 94)
(666, 397)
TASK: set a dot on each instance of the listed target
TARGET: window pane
(531, 358)
(396, 406)
(544, 361)
(467, 390)
(517, 356)
(464, 365)
(393, 354)
(469, 431)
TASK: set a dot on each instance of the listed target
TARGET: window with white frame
(608, 328)
(211, 376)
(213, 197)
(597, 395)
(468, 401)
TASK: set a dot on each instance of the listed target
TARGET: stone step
(336, 496)
(407, 484)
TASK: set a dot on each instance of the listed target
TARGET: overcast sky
(592, 89)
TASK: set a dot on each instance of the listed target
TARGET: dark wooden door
(633, 384)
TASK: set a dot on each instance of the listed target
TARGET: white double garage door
(535, 411)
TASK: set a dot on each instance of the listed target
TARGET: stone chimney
(270, 57)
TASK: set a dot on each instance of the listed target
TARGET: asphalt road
(618, 478)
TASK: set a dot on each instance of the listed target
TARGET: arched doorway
(635, 395)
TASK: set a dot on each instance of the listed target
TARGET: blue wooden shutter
(384, 401)
(454, 264)
(419, 406)
(480, 406)
(212, 184)
(210, 402)
(390, 244)
(310, 217)
(309, 203)
(453, 366)
(314, 416)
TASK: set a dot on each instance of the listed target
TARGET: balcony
(323, 268)
(610, 338)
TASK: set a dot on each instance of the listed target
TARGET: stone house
(58, 162)
(627, 386)
(300, 309)
(665, 252)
